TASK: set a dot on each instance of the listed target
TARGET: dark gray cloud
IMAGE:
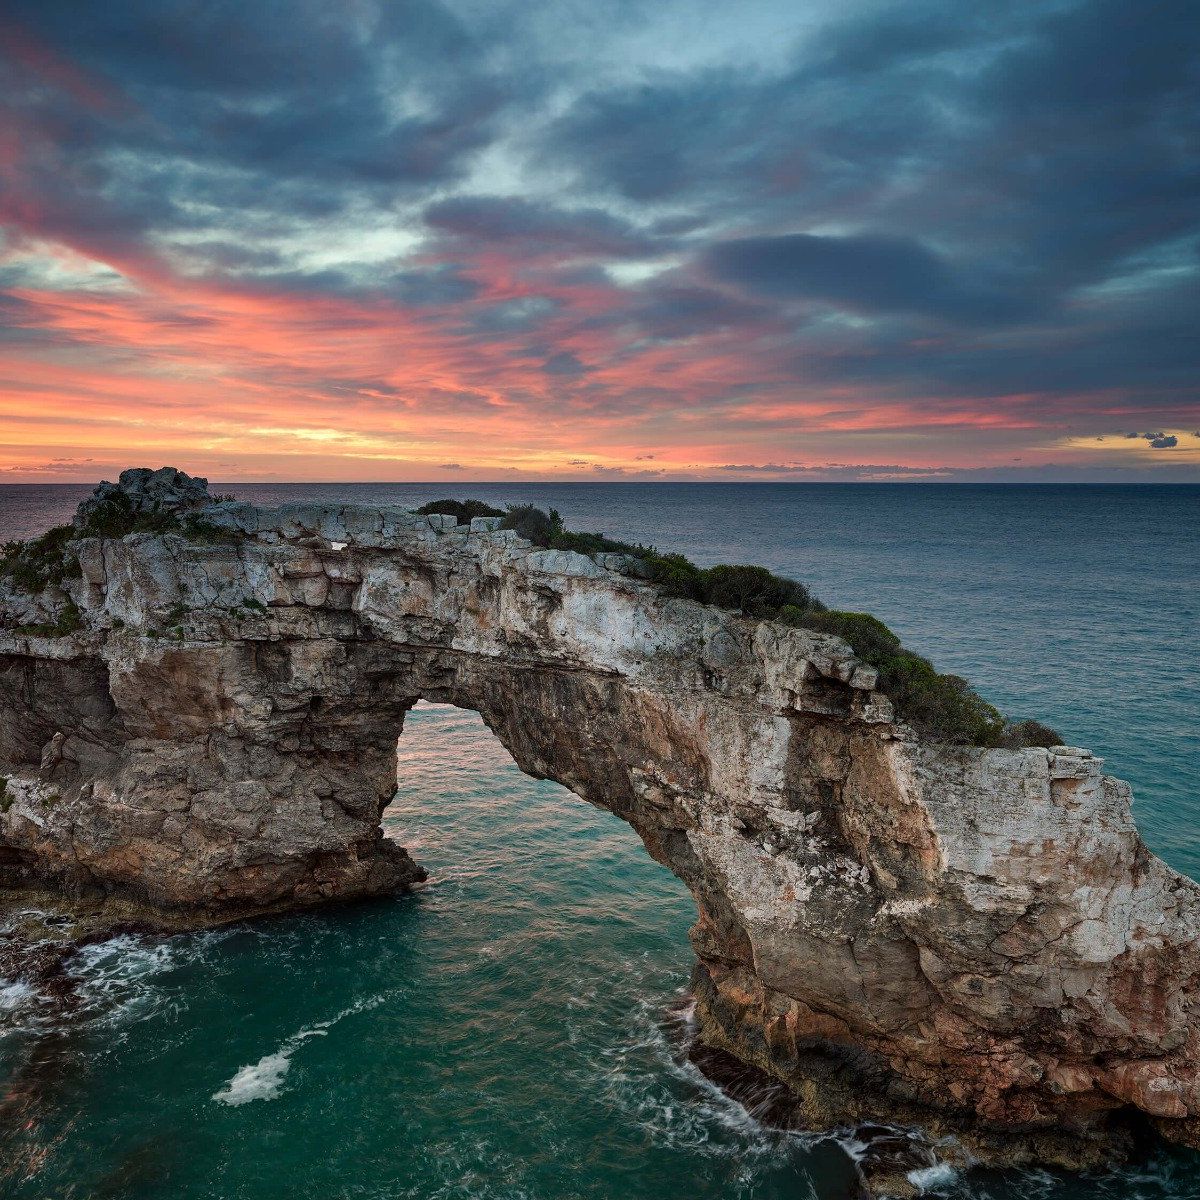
(539, 229)
(864, 274)
(442, 284)
(291, 89)
(1157, 441)
(564, 363)
(667, 309)
(154, 118)
(1034, 165)
(1134, 351)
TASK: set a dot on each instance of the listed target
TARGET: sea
(517, 1030)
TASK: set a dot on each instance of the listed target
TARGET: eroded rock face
(965, 935)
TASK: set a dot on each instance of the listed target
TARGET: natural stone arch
(966, 934)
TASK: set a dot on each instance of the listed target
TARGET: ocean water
(515, 1029)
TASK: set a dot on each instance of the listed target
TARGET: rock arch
(970, 937)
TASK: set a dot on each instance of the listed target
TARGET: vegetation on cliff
(115, 516)
(462, 510)
(41, 561)
(941, 707)
(49, 559)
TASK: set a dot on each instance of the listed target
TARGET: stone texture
(971, 938)
(164, 490)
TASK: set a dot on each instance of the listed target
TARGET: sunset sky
(605, 239)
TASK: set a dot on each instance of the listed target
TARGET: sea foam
(937, 1176)
(264, 1079)
(14, 994)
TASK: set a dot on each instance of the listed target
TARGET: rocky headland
(198, 718)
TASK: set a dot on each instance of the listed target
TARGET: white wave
(117, 980)
(130, 978)
(14, 994)
(107, 966)
(938, 1176)
(263, 1080)
(648, 1077)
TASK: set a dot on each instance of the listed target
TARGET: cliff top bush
(943, 707)
(41, 561)
(532, 523)
(940, 707)
(49, 559)
(115, 516)
(461, 510)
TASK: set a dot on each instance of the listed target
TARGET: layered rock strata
(888, 925)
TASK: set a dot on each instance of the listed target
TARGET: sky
(604, 239)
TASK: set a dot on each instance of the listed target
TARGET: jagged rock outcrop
(977, 937)
(142, 491)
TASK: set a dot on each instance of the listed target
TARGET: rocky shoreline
(199, 707)
(42, 933)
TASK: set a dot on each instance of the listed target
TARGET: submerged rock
(972, 940)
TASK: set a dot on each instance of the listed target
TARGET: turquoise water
(516, 1029)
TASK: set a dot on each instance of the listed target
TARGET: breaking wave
(263, 1080)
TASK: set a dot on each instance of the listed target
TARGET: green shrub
(754, 591)
(115, 516)
(6, 797)
(41, 561)
(1030, 733)
(751, 590)
(546, 529)
(533, 524)
(940, 707)
(461, 510)
(197, 529)
(868, 636)
(49, 559)
(69, 620)
(596, 543)
(677, 576)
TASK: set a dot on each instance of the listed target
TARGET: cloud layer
(406, 240)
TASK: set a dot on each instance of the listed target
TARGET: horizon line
(647, 482)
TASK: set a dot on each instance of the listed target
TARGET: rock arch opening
(498, 837)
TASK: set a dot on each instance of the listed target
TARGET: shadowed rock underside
(975, 940)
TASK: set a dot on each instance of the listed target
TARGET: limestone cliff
(207, 719)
